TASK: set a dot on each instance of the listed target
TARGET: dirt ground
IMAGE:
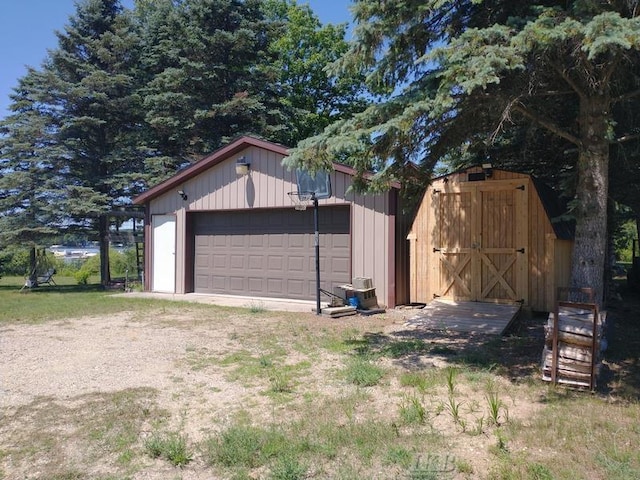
(168, 364)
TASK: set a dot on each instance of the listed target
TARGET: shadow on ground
(620, 374)
(517, 355)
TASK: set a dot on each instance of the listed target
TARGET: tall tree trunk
(32, 280)
(590, 249)
(103, 233)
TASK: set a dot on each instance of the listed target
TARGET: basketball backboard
(319, 183)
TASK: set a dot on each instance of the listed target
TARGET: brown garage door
(270, 253)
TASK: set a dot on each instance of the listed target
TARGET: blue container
(353, 302)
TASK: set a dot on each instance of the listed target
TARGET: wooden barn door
(481, 237)
(454, 244)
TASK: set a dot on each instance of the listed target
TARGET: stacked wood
(571, 353)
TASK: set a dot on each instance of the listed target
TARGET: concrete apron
(275, 304)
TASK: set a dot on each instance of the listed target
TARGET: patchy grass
(362, 371)
(105, 427)
(68, 300)
(171, 446)
(290, 396)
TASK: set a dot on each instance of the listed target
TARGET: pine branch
(627, 138)
(627, 96)
(552, 127)
(611, 70)
(565, 76)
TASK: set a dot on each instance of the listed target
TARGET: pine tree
(76, 126)
(460, 74)
(28, 179)
(94, 76)
(204, 89)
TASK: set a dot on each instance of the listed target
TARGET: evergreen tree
(217, 69)
(76, 125)
(28, 179)
(461, 74)
(127, 98)
(94, 79)
(204, 87)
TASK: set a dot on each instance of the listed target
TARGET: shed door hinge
(520, 250)
(521, 187)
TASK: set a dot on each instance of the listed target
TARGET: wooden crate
(367, 297)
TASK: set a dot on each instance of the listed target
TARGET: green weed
(451, 373)
(171, 446)
(432, 467)
(256, 307)
(360, 371)
(453, 407)
(412, 411)
(288, 468)
(422, 381)
(496, 406)
(398, 455)
(280, 382)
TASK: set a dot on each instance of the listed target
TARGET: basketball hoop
(301, 200)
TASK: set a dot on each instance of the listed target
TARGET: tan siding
(562, 260)
(370, 241)
(266, 186)
(542, 264)
(422, 277)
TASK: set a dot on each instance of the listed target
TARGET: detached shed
(487, 235)
(213, 229)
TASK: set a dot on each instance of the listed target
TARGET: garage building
(214, 228)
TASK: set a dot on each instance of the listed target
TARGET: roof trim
(219, 156)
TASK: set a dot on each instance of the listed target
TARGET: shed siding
(562, 256)
(541, 256)
(266, 186)
(548, 258)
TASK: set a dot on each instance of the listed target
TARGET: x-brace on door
(481, 241)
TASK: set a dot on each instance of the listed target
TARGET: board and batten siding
(267, 186)
(548, 256)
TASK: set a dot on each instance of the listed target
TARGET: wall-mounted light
(488, 169)
(183, 194)
(242, 166)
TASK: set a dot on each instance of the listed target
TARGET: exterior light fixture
(488, 169)
(183, 194)
(242, 166)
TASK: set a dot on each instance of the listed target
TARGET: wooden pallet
(571, 354)
(336, 312)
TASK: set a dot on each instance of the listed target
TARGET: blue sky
(27, 30)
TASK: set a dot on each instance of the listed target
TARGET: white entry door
(164, 253)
